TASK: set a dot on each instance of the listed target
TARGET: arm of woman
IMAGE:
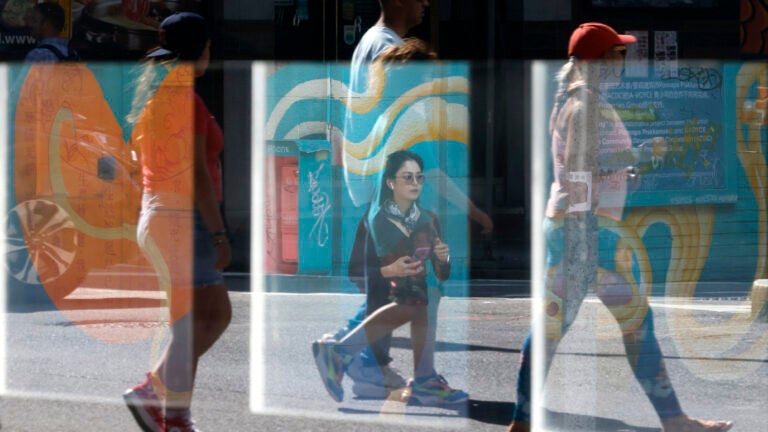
(451, 191)
(205, 201)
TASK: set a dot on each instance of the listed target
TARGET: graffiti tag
(703, 77)
(321, 204)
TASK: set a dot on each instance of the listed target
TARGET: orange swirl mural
(78, 193)
(753, 27)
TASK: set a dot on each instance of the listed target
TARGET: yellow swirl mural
(408, 111)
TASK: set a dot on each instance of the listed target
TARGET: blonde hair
(149, 77)
(571, 72)
(411, 49)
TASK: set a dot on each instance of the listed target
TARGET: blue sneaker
(434, 390)
(330, 364)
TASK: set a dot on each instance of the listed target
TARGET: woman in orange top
(181, 229)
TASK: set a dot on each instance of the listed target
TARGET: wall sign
(680, 143)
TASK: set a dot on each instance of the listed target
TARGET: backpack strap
(71, 54)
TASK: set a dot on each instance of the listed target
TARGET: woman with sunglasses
(585, 132)
(406, 238)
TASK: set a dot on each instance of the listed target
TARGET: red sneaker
(145, 406)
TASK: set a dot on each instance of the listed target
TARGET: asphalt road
(65, 371)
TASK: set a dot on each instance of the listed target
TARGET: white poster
(665, 54)
(637, 55)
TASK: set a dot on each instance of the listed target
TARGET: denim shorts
(205, 273)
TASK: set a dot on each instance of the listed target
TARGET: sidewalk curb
(321, 284)
(507, 288)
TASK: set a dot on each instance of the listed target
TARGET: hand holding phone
(404, 266)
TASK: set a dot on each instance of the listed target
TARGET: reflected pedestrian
(371, 373)
(406, 238)
(585, 129)
(181, 229)
(46, 22)
(383, 43)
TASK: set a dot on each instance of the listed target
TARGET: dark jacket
(365, 268)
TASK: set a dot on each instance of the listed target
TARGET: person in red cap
(587, 185)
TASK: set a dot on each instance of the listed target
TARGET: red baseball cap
(591, 40)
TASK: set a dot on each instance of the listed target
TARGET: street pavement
(66, 370)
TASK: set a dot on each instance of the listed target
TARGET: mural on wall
(420, 107)
(76, 192)
(71, 169)
(751, 122)
(76, 189)
(753, 27)
(702, 239)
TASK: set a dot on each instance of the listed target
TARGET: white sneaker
(334, 337)
(373, 381)
(392, 378)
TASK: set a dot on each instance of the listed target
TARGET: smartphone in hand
(421, 254)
